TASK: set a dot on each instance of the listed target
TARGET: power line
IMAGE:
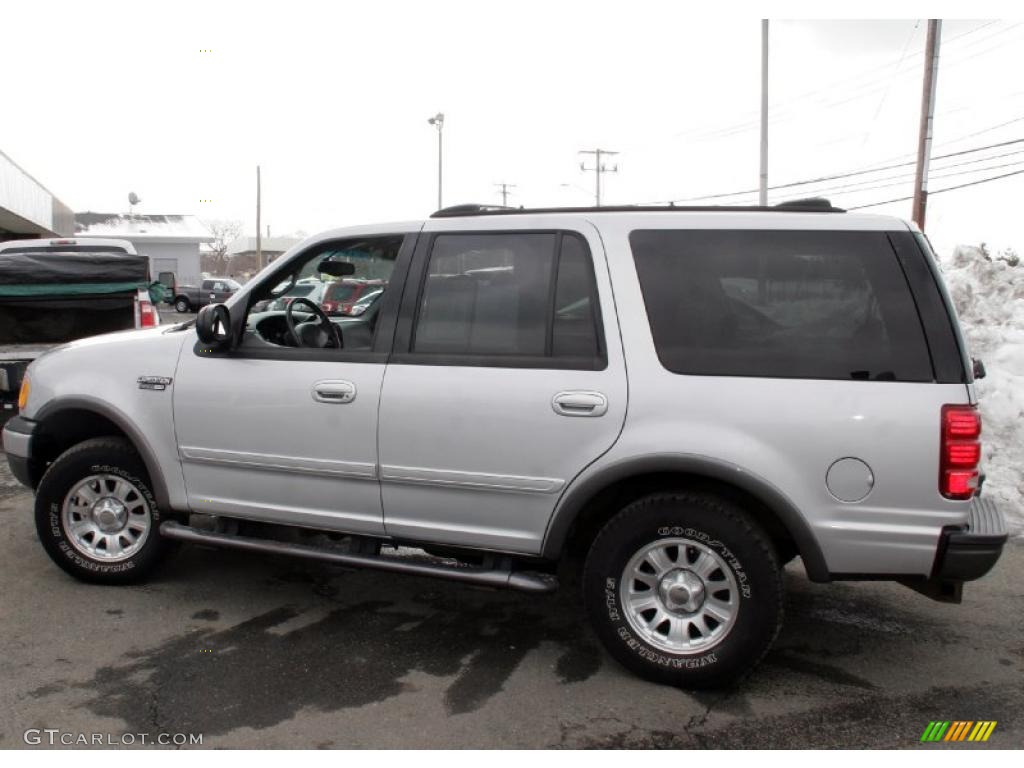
(939, 191)
(985, 130)
(831, 86)
(846, 175)
(904, 179)
(854, 91)
(905, 176)
(888, 85)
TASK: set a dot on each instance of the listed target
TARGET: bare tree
(215, 260)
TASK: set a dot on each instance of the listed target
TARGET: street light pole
(438, 122)
(259, 248)
(762, 193)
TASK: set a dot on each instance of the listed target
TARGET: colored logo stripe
(958, 730)
(982, 731)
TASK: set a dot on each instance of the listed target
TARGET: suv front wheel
(96, 515)
(684, 589)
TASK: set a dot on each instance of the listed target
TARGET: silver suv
(669, 404)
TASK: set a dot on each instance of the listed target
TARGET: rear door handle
(578, 403)
(334, 391)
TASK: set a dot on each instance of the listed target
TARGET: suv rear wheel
(684, 589)
(182, 306)
(95, 514)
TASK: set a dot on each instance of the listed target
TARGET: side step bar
(521, 581)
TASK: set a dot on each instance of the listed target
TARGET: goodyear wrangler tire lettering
(684, 589)
(125, 508)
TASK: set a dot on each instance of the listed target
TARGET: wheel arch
(65, 422)
(592, 500)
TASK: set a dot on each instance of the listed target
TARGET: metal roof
(142, 226)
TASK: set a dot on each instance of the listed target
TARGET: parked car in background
(189, 298)
(310, 288)
(347, 296)
(54, 291)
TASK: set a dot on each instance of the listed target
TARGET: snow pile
(989, 296)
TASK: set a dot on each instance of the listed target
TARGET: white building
(171, 241)
(27, 208)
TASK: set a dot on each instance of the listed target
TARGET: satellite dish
(133, 199)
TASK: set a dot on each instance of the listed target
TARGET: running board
(521, 581)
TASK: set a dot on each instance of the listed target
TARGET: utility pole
(259, 243)
(762, 194)
(598, 169)
(504, 192)
(924, 139)
(438, 122)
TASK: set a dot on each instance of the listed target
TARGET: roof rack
(807, 205)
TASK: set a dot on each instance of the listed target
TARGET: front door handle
(580, 404)
(334, 391)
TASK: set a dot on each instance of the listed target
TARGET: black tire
(717, 525)
(98, 456)
(182, 306)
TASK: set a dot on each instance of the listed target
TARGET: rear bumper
(970, 553)
(17, 442)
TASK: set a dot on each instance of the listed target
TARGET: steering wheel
(325, 334)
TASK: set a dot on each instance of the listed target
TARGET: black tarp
(55, 321)
(72, 267)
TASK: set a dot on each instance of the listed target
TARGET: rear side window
(522, 294)
(778, 303)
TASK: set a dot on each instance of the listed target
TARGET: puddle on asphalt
(249, 675)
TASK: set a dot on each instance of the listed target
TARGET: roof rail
(472, 209)
(806, 205)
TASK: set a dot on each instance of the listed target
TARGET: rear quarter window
(780, 304)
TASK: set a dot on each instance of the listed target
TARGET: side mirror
(213, 326)
(336, 268)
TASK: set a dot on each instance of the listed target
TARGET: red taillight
(960, 451)
(961, 421)
(147, 315)
(329, 306)
(963, 454)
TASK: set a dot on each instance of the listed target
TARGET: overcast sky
(332, 101)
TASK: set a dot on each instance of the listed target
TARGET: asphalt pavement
(253, 651)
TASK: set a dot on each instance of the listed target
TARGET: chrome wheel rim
(679, 595)
(106, 518)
